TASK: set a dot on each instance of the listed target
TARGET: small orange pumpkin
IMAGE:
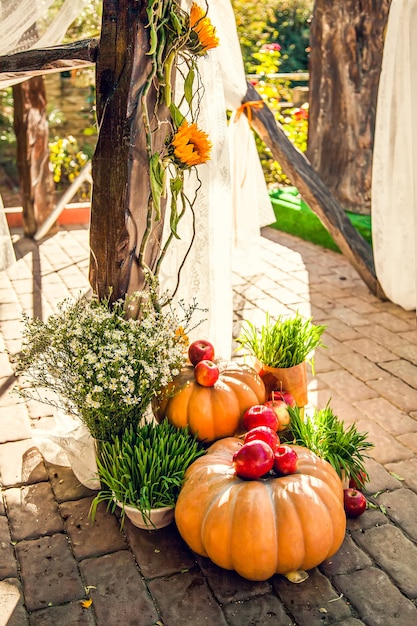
(211, 412)
(274, 525)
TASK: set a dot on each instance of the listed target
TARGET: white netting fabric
(29, 24)
(33, 24)
(394, 175)
(7, 255)
(232, 203)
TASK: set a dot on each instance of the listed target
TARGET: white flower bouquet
(103, 366)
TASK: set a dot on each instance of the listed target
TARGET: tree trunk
(120, 166)
(32, 135)
(346, 41)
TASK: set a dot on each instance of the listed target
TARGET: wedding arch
(120, 169)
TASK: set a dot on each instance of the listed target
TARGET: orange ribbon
(247, 108)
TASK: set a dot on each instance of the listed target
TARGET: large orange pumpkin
(212, 412)
(274, 525)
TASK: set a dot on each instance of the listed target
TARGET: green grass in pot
(326, 435)
(145, 467)
(283, 342)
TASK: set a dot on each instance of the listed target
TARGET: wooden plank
(109, 239)
(37, 61)
(293, 162)
(315, 193)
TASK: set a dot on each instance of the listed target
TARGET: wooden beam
(38, 61)
(23, 65)
(315, 193)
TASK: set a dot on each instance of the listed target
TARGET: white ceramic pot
(156, 518)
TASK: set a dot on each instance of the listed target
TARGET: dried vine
(177, 39)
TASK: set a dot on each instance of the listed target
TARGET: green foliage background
(282, 21)
(285, 22)
(292, 22)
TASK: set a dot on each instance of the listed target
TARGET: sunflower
(203, 33)
(191, 145)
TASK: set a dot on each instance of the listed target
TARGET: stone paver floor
(52, 557)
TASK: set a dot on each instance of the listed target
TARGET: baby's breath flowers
(103, 367)
(191, 145)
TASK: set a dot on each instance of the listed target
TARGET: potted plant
(143, 470)
(326, 435)
(103, 366)
(100, 364)
(281, 349)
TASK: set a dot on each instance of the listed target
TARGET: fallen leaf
(86, 603)
(298, 576)
(378, 493)
(394, 475)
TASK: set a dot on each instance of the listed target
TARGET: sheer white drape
(232, 202)
(394, 176)
(17, 18)
(7, 255)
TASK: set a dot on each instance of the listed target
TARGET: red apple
(280, 409)
(359, 483)
(206, 373)
(263, 433)
(200, 350)
(354, 502)
(253, 459)
(276, 396)
(286, 460)
(260, 415)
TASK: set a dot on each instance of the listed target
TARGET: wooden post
(120, 167)
(32, 135)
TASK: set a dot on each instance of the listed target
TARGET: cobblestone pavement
(52, 557)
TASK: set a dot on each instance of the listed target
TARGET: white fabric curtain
(7, 255)
(394, 176)
(17, 17)
(232, 203)
(251, 204)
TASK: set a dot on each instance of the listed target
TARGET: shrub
(292, 21)
(66, 161)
